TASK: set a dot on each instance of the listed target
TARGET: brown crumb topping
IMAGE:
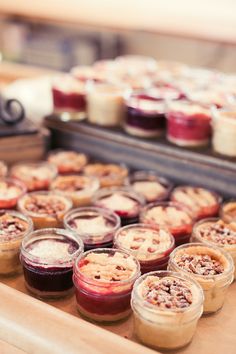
(219, 233)
(11, 226)
(44, 205)
(201, 264)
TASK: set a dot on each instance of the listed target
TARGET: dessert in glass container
(47, 258)
(151, 247)
(228, 211)
(137, 64)
(95, 226)
(46, 209)
(210, 266)
(105, 104)
(202, 202)
(123, 201)
(151, 186)
(14, 227)
(88, 73)
(109, 175)
(3, 169)
(224, 131)
(173, 216)
(36, 176)
(69, 97)
(10, 191)
(167, 307)
(67, 162)
(103, 280)
(188, 123)
(216, 232)
(80, 189)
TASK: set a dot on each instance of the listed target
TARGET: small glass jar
(46, 209)
(103, 280)
(162, 327)
(109, 175)
(150, 185)
(202, 202)
(214, 286)
(105, 104)
(228, 211)
(213, 231)
(36, 176)
(69, 97)
(125, 202)
(14, 227)
(80, 189)
(151, 247)
(11, 191)
(95, 226)
(224, 131)
(67, 162)
(137, 64)
(3, 169)
(188, 124)
(47, 257)
(173, 216)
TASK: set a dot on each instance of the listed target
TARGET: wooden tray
(35, 327)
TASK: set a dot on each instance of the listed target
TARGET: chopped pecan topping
(44, 205)
(219, 233)
(202, 264)
(11, 226)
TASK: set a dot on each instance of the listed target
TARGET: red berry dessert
(10, 191)
(67, 162)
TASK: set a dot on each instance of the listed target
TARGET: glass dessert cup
(87, 74)
(105, 104)
(103, 280)
(228, 211)
(151, 247)
(14, 227)
(36, 176)
(137, 64)
(173, 216)
(95, 226)
(80, 189)
(3, 169)
(10, 192)
(188, 124)
(151, 186)
(145, 115)
(123, 201)
(69, 97)
(216, 232)
(166, 307)
(46, 209)
(210, 266)
(202, 202)
(109, 175)
(47, 258)
(224, 131)
(67, 162)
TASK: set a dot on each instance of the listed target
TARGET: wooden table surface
(215, 334)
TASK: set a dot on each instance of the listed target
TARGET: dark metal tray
(196, 166)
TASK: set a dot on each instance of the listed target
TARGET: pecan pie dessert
(228, 211)
(203, 202)
(10, 191)
(216, 232)
(95, 226)
(67, 162)
(152, 187)
(80, 189)
(47, 257)
(108, 174)
(103, 279)
(151, 247)
(13, 228)
(36, 176)
(45, 209)
(210, 266)
(123, 201)
(166, 308)
(173, 216)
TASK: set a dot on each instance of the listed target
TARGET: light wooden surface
(215, 334)
(212, 19)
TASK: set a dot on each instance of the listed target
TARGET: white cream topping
(118, 201)
(50, 249)
(95, 225)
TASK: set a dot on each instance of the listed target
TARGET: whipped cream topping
(167, 216)
(108, 266)
(118, 201)
(194, 198)
(52, 249)
(151, 190)
(8, 191)
(91, 225)
(166, 293)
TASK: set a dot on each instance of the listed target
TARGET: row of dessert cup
(38, 275)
